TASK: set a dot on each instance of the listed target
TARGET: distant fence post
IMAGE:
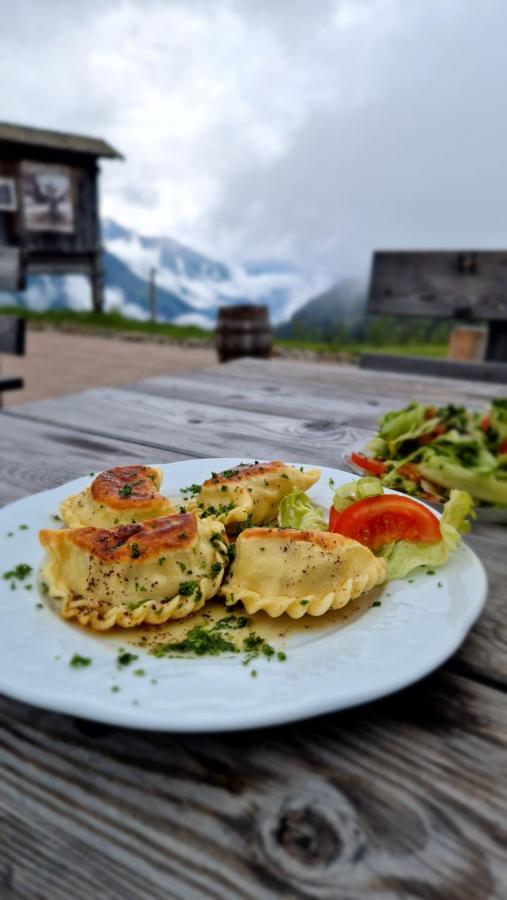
(152, 295)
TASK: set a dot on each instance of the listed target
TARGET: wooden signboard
(450, 284)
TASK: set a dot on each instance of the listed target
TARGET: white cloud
(313, 131)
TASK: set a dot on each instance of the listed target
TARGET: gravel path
(57, 363)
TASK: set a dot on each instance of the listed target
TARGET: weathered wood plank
(403, 798)
(35, 457)
(282, 397)
(352, 378)
(193, 428)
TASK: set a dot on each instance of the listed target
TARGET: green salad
(427, 451)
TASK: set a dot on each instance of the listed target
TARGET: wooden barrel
(243, 331)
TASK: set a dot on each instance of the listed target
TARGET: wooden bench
(12, 341)
(467, 286)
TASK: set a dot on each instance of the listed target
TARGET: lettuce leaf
(296, 510)
(404, 556)
(349, 493)
(464, 464)
(406, 424)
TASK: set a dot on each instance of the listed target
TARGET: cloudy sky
(314, 130)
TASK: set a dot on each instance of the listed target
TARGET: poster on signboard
(48, 197)
(8, 200)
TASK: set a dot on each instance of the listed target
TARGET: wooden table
(401, 798)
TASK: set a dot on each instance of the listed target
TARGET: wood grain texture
(194, 428)
(393, 800)
(36, 457)
(360, 381)
(403, 798)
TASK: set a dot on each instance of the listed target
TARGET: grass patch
(355, 349)
(108, 322)
(114, 322)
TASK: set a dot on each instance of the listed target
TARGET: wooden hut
(49, 209)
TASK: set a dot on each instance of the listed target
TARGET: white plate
(496, 514)
(417, 626)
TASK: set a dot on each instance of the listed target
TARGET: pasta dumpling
(120, 495)
(250, 492)
(153, 571)
(284, 570)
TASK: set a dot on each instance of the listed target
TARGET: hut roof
(57, 140)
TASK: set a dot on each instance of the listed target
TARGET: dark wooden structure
(463, 285)
(243, 330)
(49, 213)
(12, 340)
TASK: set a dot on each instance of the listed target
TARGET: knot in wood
(319, 425)
(306, 835)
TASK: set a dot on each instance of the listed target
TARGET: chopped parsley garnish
(253, 673)
(44, 587)
(79, 662)
(24, 527)
(125, 490)
(216, 568)
(125, 658)
(20, 572)
(115, 688)
(186, 588)
(248, 523)
(253, 642)
(137, 603)
(199, 641)
(376, 603)
(430, 572)
(135, 552)
(139, 672)
(216, 511)
(212, 640)
(192, 489)
(232, 621)
(284, 475)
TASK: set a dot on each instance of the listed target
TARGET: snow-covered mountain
(204, 284)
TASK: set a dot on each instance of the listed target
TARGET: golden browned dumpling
(284, 570)
(250, 493)
(120, 495)
(162, 569)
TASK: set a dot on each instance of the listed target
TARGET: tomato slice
(374, 466)
(485, 422)
(502, 447)
(376, 521)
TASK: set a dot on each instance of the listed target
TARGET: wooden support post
(496, 347)
(97, 279)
